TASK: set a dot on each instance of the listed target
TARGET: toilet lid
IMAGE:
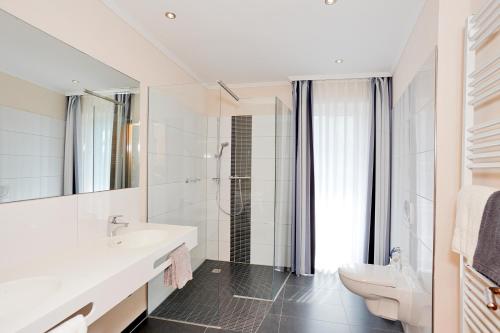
(372, 274)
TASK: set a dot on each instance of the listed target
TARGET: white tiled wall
(263, 189)
(284, 185)
(177, 188)
(413, 174)
(94, 210)
(264, 245)
(31, 155)
(218, 223)
(38, 228)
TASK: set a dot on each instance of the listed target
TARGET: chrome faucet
(395, 258)
(395, 250)
(114, 224)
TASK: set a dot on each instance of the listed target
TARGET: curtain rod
(103, 97)
(339, 77)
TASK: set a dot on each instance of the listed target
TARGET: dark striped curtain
(72, 147)
(303, 223)
(380, 161)
(120, 157)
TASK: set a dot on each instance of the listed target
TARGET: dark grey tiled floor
(306, 305)
(209, 299)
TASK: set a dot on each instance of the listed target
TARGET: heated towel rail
(480, 297)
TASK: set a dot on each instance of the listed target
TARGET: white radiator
(480, 297)
(481, 310)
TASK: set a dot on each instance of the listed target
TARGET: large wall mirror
(69, 124)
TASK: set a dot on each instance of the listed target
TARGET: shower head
(222, 146)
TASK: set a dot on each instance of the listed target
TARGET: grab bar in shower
(231, 178)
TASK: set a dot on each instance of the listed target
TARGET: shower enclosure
(222, 163)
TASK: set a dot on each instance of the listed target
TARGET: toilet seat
(384, 276)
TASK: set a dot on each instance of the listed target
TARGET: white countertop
(93, 273)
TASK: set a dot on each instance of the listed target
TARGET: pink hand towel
(179, 272)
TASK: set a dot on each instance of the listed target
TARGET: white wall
(177, 168)
(412, 202)
(422, 41)
(452, 18)
(31, 140)
(218, 223)
(31, 155)
(284, 186)
(263, 189)
(38, 228)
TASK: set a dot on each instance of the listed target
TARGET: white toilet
(388, 292)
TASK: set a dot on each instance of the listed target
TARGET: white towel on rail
(74, 325)
(470, 207)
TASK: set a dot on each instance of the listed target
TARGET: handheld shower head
(222, 146)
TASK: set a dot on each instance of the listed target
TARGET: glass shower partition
(253, 195)
(223, 165)
(284, 175)
(413, 184)
(177, 180)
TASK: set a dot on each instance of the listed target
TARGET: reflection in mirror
(99, 147)
(68, 123)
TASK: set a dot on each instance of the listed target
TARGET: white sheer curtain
(96, 136)
(86, 137)
(342, 121)
(104, 112)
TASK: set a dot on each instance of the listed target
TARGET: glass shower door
(284, 152)
(177, 193)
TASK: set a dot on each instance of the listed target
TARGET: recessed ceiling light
(330, 2)
(75, 81)
(339, 61)
(170, 15)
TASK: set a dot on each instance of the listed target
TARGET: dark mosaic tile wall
(241, 166)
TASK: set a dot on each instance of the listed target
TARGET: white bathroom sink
(46, 292)
(23, 294)
(140, 238)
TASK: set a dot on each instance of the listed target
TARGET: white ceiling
(271, 40)
(32, 55)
